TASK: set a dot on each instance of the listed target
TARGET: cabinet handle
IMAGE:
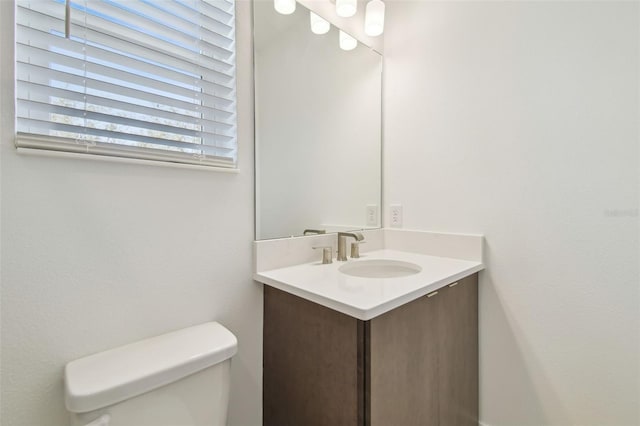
(454, 284)
(432, 294)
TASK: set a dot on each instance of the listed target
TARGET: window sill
(113, 159)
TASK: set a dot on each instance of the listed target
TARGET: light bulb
(318, 25)
(347, 42)
(374, 18)
(286, 7)
(346, 8)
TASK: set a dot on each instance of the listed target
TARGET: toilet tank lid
(118, 374)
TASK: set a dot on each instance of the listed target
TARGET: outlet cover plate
(395, 217)
(372, 215)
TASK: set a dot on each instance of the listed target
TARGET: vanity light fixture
(318, 25)
(347, 42)
(346, 8)
(374, 18)
(285, 7)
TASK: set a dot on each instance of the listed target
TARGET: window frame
(34, 143)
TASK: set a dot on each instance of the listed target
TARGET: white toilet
(177, 379)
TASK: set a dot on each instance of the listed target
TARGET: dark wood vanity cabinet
(415, 365)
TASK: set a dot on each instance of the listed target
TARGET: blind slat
(44, 94)
(158, 32)
(126, 72)
(218, 9)
(168, 18)
(86, 136)
(37, 75)
(32, 38)
(189, 14)
(133, 76)
(177, 58)
(166, 130)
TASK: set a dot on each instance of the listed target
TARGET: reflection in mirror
(318, 128)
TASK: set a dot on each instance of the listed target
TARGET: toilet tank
(176, 379)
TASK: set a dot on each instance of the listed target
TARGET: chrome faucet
(342, 243)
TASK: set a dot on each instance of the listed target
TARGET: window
(150, 79)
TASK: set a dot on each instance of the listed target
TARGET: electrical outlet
(396, 215)
(372, 215)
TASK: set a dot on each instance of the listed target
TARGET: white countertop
(366, 298)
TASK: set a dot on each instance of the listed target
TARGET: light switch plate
(396, 215)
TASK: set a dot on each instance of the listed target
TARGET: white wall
(97, 254)
(519, 120)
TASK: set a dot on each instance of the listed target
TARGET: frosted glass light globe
(318, 25)
(285, 7)
(347, 42)
(346, 8)
(374, 18)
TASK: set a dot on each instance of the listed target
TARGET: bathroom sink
(380, 268)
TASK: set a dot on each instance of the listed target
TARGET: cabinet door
(403, 365)
(458, 353)
(313, 364)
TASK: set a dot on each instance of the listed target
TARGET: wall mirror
(318, 128)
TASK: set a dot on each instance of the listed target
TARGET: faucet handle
(355, 249)
(327, 254)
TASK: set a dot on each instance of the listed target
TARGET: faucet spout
(357, 235)
(342, 243)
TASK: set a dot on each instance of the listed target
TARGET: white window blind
(150, 79)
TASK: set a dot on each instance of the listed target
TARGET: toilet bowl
(176, 379)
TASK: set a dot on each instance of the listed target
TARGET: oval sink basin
(379, 268)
